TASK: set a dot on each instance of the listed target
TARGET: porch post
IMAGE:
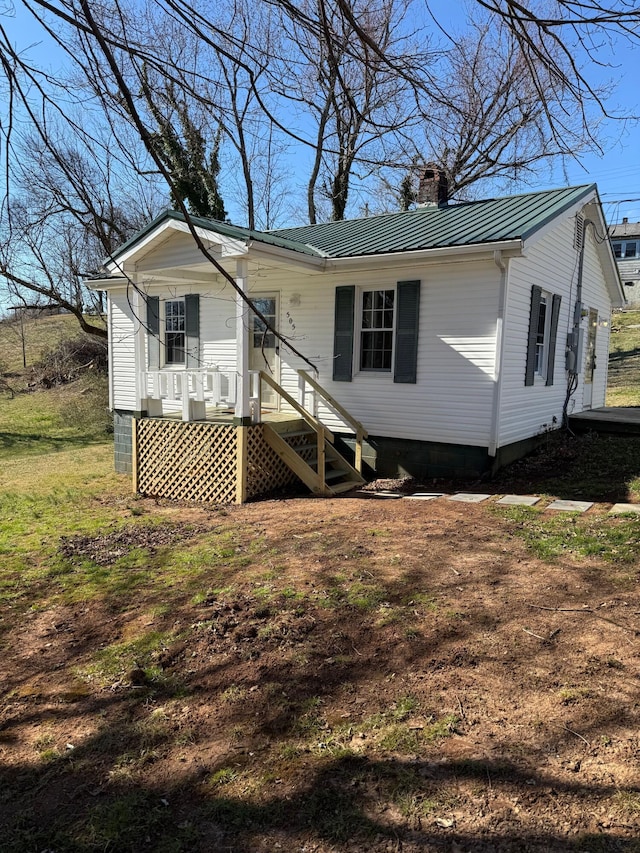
(140, 319)
(243, 330)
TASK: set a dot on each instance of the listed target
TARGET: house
(625, 239)
(442, 341)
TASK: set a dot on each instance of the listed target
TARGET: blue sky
(616, 171)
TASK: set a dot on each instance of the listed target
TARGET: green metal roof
(236, 232)
(477, 222)
(492, 220)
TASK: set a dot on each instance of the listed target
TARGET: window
(175, 331)
(376, 336)
(543, 332)
(383, 325)
(261, 338)
(626, 248)
(542, 337)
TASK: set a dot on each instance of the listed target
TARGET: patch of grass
(628, 801)
(223, 776)
(393, 733)
(309, 722)
(400, 738)
(58, 495)
(234, 693)
(41, 334)
(404, 707)
(44, 741)
(572, 695)
(117, 661)
(614, 540)
(364, 595)
(623, 387)
(58, 419)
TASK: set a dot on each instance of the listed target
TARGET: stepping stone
(425, 496)
(571, 506)
(618, 509)
(374, 495)
(468, 498)
(518, 500)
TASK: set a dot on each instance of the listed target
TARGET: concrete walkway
(556, 505)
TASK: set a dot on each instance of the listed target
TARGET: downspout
(494, 436)
(574, 338)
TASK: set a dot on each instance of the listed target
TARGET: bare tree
(493, 124)
(355, 98)
(68, 211)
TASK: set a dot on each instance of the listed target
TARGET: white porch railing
(190, 391)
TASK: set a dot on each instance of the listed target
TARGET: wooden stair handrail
(313, 422)
(357, 426)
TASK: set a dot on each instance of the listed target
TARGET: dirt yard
(368, 675)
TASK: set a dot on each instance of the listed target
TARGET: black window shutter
(343, 334)
(536, 295)
(553, 334)
(407, 321)
(153, 330)
(192, 329)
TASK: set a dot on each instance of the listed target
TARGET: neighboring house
(625, 239)
(445, 339)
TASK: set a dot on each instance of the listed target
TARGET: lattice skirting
(205, 462)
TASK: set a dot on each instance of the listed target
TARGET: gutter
(450, 253)
(494, 435)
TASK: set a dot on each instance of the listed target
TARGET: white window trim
(173, 365)
(543, 368)
(379, 373)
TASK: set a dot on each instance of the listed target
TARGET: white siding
(552, 264)
(452, 399)
(122, 352)
(177, 250)
(217, 327)
(217, 320)
(630, 272)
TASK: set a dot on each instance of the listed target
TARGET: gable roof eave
(604, 250)
(439, 254)
(233, 238)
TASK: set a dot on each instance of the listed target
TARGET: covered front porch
(215, 405)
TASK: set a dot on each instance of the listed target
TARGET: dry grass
(624, 360)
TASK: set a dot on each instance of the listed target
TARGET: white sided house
(443, 341)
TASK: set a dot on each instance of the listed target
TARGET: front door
(264, 345)
(590, 362)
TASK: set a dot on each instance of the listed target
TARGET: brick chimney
(433, 189)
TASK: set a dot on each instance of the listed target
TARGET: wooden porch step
(333, 474)
(339, 475)
(347, 486)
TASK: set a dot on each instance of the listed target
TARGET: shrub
(69, 360)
